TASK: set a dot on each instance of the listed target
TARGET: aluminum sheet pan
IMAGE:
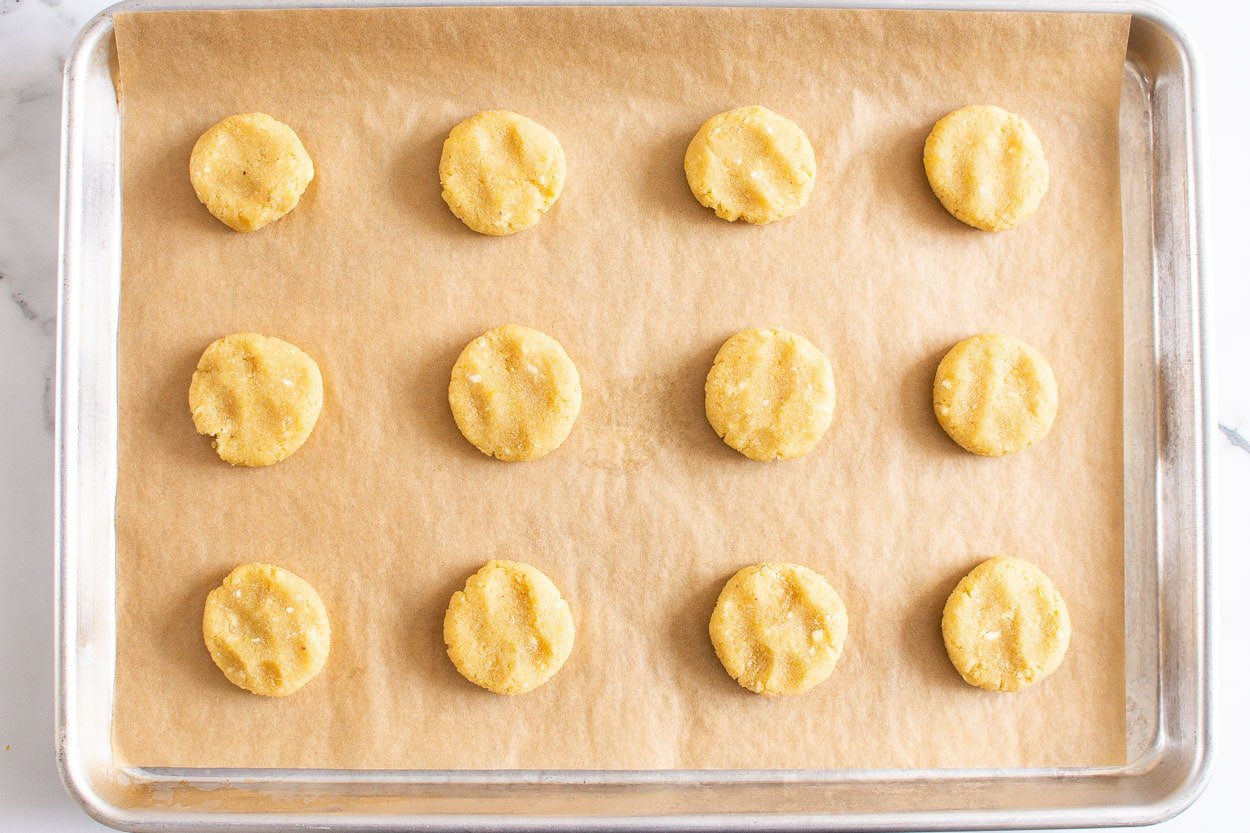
(1168, 546)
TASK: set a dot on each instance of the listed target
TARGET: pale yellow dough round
(1005, 626)
(986, 166)
(501, 171)
(267, 630)
(515, 393)
(778, 628)
(751, 164)
(995, 395)
(509, 630)
(770, 394)
(258, 396)
(250, 170)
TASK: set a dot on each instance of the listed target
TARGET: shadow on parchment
(689, 413)
(898, 174)
(170, 413)
(429, 651)
(431, 413)
(916, 401)
(690, 642)
(418, 192)
(167, 177)
(184, 629)
(663, 185)
(922, 621)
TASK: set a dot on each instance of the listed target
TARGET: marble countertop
(34, 38)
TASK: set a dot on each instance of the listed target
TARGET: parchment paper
(644, 513)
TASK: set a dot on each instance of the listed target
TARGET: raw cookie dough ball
(508, 630)
(778, 628)
(515, 393)
(1005, 626)
(501, 171)
(250, 170)
(986, 166)
(751, 164)
(258, 396)
(267, 630)
(995, 395)
(770, 394)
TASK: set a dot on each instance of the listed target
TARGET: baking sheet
(643, 514)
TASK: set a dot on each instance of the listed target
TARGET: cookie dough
(508, 630)
(987, 166)
(1005, 626)
(995, 395)
(751, 164)
(267, 630)
(258, 396)
(515, 393)
(778, 628)
(250, 170)
(770, 394)
(501, 171)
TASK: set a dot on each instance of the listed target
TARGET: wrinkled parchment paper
(643, 514)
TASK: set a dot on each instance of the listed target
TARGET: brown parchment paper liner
(643, 513)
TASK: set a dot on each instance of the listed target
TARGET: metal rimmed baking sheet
(825, 789)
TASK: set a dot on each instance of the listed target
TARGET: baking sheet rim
(66, 621)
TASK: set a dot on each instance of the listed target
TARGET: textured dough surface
(508, 630)
(501, 171)
(751, 164)
(515, 393)
(770, 394)
(258, 396)
(986, 166)
(1005, 626)
(995, 395)
(267, 630)
(250, 170)
(778, 628)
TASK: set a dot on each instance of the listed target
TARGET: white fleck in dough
(506, 409)
(501, 172)
(986, 166)
(1005, 625)
(239, 396)
(994, 395)
(249, 170)
(751, 164)
(508, 630)
(765, 627)
(266, 629)
(770, 394)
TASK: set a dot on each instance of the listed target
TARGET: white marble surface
(34, 38)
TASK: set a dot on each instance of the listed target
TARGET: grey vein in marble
(33, 43)
(1235, 439)
(34, 39)
(28, 312)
